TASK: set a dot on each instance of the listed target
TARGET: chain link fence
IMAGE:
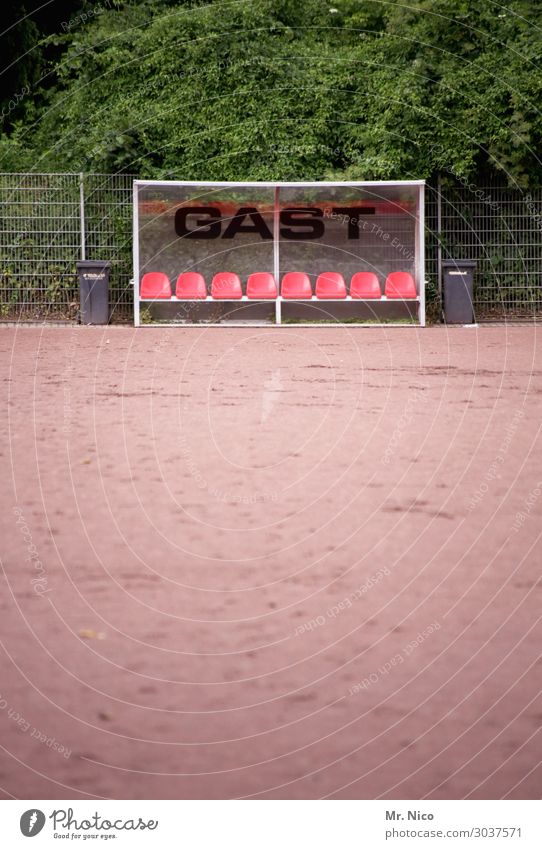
(500, 228)
(49, 221)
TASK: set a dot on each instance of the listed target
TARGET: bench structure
(272, 245)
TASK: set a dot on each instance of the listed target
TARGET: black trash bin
(457, 289)
(94, 291)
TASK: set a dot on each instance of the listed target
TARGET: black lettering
(310, 220)
(237, 224)
(353, 213)
(205, 229)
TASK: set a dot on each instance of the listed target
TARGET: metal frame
(313, 184)
(420, 252)
(135, 249)
(277, 186)
(498, 226)
(48, 223)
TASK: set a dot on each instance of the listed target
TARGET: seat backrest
(261, 284)
(191, 286)
(400, 284)
(364, 285)
(330, 285)
(226, 286)
(297, 285)
(155, 284)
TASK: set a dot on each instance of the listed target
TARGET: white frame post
(420, 252)
(135, 237)
(276, 252)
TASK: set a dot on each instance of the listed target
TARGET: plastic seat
(330, 285)
(154, 284)
(296, 286)
(226, 286)
(191, 286)
(400, 284)
(365, 286)
(261, 286)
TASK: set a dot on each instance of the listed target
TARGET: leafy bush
(278, 89)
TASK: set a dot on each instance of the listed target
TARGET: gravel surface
(272, 563)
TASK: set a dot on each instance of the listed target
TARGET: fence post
(82, 213)
(439, 233)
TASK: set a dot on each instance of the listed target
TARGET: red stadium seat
(365, 286)
(296, 286)
(226, 286)
(191, 286)
(400, 284)
(261, 286)
(154, 284)
(330, 285)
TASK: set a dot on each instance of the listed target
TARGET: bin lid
(93, 263)
(459, 263)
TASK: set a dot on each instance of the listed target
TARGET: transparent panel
(206, 229)
(348, 229)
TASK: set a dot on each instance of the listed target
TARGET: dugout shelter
(278, 253)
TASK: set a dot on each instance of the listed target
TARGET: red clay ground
(271, 563)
